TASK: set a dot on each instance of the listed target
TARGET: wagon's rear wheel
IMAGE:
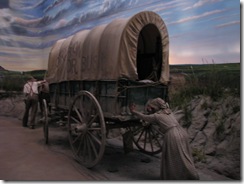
(87, 130)
(148, 138)
(45, 122)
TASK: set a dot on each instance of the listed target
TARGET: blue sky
(200, 31)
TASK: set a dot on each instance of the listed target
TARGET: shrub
(14, 81)
(199, 155)
(210, 80)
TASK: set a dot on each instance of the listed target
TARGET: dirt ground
(24, 156)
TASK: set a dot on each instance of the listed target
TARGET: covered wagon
(94, 75)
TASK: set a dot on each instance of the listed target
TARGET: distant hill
(202, 68)
(2, 69)
(38, 74)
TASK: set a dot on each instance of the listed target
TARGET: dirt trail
(25, 157)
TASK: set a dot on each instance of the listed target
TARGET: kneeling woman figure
(176, 161)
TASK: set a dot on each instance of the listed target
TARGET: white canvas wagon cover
(111, 51)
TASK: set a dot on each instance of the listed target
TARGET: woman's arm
(40, 82)
(149, 118)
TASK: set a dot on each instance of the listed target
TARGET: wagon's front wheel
(45, 122)
(148, 138)
(87, 131)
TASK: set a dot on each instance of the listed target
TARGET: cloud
(78, 2)
(165, 6)
(187, 19)
(5, 18)
(201, 3)
(26, 22)
(24, 5)
(61, 23)
(54, 4)
(228, 24)
(112, 6)
(4, 4)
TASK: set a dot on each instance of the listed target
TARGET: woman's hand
(132, 107)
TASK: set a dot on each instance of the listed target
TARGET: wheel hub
(81, 128)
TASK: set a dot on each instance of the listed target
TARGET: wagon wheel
(87, 130)
(45, 122)
(148, 138)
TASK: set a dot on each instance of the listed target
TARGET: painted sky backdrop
(200, 31)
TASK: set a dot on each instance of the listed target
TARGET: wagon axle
(81, 128)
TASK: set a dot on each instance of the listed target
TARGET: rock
(146, 160)
(199, 140)
(13, 107)
(215, 133)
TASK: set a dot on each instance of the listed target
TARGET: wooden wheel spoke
(93, 147)
(77, 138)
(81, 151)
(78, 114)
(95, 138)
(94, 129)
(87, 151)
(79, 147)
(145, 140)
(156, 135)
(92, 120)
(155, 129)
(84, 150)
(75, 120)
(140, 136)
(138, 129)
(150, 140)
(82, 113)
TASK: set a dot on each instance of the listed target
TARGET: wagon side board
(114, 97)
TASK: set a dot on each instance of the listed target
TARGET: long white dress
(176, 161)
